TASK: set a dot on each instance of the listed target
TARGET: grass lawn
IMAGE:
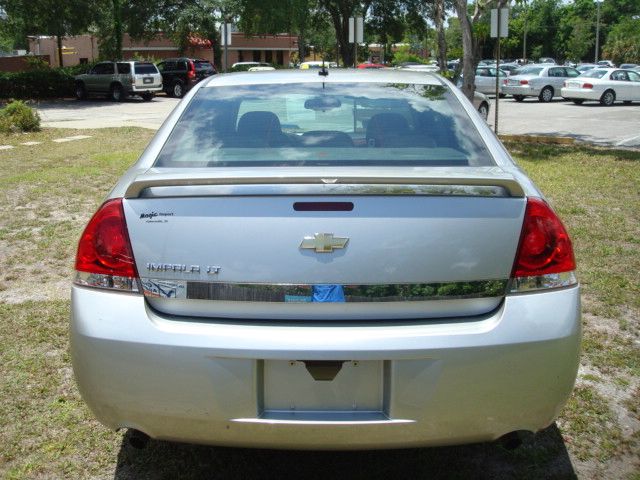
(49, 191)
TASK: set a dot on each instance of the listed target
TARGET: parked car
(261, 69)
(364, 268)
(244, 66)
(604, 85)
(583, 67)
(317, 64)
(542, 81)
(420, 67)
(606, 64)
(485, 80)
(118, 80)
(510, 68)
(628, 66)
(547, 60)
(179, 75)
(371, 65)
(481, 103)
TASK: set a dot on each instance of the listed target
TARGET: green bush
(39, 83)
(17, 116)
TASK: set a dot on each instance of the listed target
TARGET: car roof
(364, 75)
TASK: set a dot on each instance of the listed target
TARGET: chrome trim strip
(110, 282)
(293, 293)
(324, 189)
(543, 282)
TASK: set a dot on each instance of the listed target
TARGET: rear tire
(578, 101)
(81, 91)
(518, 98)
(147, 97)
(608, 98)
(116, 93)
(177, 90)
(546, 95)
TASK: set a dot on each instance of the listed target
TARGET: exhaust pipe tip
(138, 439)
(514, 440)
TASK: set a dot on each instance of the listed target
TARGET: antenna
(323, 70)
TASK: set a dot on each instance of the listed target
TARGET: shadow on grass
(545, 456)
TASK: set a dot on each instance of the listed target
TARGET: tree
(623, 42)
(339, 11)
(50, 17)
(470, 50)
(277, 16)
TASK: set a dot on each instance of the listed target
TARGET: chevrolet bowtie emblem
(323, 242)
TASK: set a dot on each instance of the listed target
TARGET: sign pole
(495, 125)
(226, 48)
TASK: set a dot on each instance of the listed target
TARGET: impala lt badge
(323, 242)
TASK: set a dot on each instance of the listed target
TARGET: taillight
(587, 85)
(105, 257)
(505, 82)
(524, 82)
(192, 70)
(545, 255)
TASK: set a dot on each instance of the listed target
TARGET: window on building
(280, 57)
(268, 56)
(240, 56)
(256, 55)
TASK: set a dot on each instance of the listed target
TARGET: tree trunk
(442, 42)
(468, 48)
(117, 28)
(59, 40)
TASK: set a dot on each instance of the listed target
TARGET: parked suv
(180, 74)
(118, 80)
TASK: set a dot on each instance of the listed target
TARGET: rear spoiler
(190, 184)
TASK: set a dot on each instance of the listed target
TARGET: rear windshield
(316, 124)
(145, 68)
(593, 73)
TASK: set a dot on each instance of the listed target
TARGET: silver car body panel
(422, 383)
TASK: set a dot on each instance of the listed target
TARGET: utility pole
(495, 123)
(597, 30)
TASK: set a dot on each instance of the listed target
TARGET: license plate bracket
(289, 386)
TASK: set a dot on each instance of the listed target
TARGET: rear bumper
(427, 384)
(524, 90)
(145, 89)
(580, 94)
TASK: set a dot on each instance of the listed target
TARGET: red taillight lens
(524, 82)
(545, 246)
(104, 246)
(192, 70)
(587, 85)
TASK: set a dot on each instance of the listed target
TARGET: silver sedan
(604, 85)
(542, 81)
(341, 260)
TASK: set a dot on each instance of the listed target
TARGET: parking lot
(592, 123)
